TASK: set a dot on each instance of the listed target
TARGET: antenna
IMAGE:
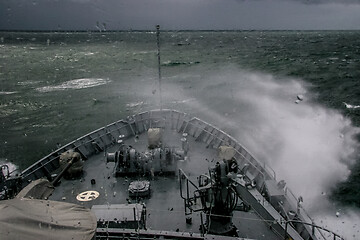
(159, 65)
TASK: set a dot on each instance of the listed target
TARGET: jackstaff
(159, 65)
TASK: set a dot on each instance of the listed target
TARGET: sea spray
(308, 145)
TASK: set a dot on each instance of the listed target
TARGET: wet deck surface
(165, 208)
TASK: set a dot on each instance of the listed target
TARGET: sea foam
(75, 84)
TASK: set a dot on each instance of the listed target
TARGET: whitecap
(89, 53)
(6, 93)
(351, 106)
(183, 101)
(26, 83)
(134, 104)
(43, 125)
(75, 84)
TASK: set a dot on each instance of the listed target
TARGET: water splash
(12, 167)
(310, 146)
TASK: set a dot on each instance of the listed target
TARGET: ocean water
(55, 87)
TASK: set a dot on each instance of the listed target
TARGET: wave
(306, 144)
(135, 104)
(75, 84)
(176, 63)
(6, 93)
(351, 106)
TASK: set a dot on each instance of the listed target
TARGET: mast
(159, 65)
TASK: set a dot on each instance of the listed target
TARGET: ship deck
(164, 208)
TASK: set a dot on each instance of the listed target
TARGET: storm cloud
(329, 1)
(176, 14)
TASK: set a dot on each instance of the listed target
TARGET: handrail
(293, 195)
(36, 169)
(182, 173)
(222, 140)
(301, 208)
(208, 124)
(174, 117)
(108, 132)
(313, 229)
(235, 141)
(151, 117)
(188, 201)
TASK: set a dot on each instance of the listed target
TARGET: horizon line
(170, 30)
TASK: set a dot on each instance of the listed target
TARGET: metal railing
(179, 120)
(313, 227)
(156, 116)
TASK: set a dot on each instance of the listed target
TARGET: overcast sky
(179, 14)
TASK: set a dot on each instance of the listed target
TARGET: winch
(157, 161)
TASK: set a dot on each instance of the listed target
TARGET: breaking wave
(75, 84)
(308, 145)
(6, 93)
(351, 106)
(176, 63)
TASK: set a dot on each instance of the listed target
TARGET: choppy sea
(56, 87)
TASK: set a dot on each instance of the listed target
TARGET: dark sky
(179, 14)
